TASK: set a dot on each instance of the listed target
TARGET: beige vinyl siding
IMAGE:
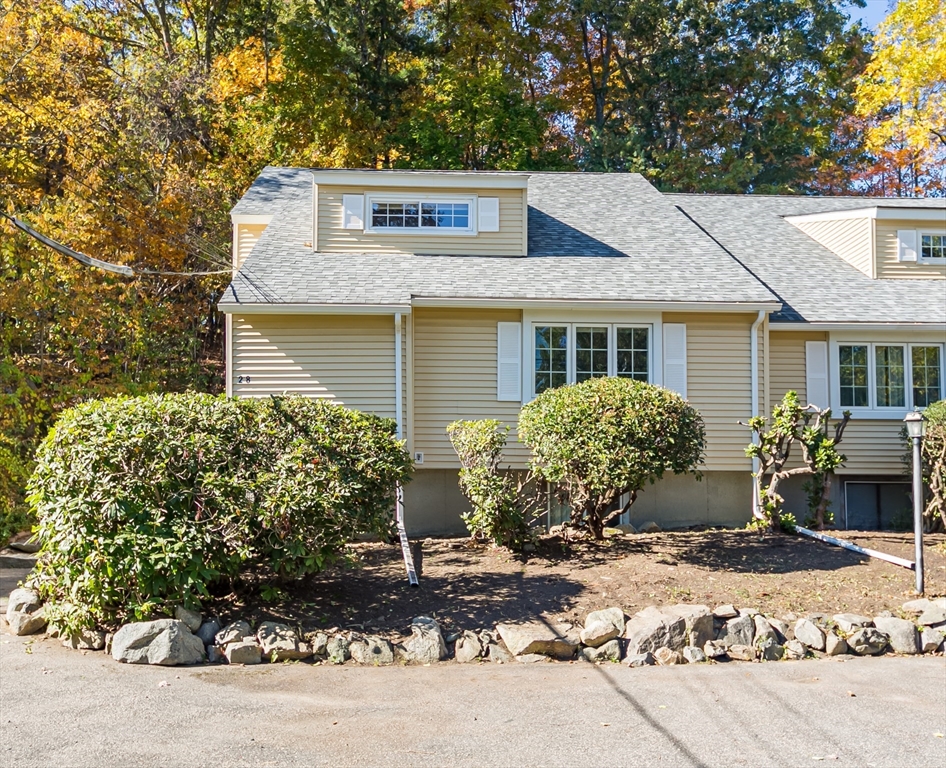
(348, 359)
(787, 361)
(455, 378)
(509, 241)
(246, 237)
(888, 264)
(848, 238)
(718, 383)
(872, 446)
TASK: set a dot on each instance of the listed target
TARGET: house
(434, 296)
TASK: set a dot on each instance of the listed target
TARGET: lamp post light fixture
(916, 428)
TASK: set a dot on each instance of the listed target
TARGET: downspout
(754, 373)
(399, 420)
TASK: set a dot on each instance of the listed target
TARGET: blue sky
(872, 14)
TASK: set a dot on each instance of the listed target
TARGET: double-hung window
(933, 247)
(566, 353)
(889, 376)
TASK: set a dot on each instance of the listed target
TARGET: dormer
(883, 241)
(422, 212)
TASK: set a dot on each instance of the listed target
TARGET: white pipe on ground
(854, 548)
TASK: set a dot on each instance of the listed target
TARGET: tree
(934, 465)
(792, 424)
(902, 98)
(607, 438)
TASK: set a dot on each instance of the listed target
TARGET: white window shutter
(906, 244)
(816, 373)
(509, 360)
(488, 214)
(353, 207)
(675, 357)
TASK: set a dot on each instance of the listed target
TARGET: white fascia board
(248, 218)
(853, 213)
(423, 179)
(902, 213)
(667, 306)
(230, 308)
(906, 213)
(776, 326)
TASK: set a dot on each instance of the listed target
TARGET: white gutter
(794, 326)
(312, 309)
(578, 304)
(754, 372)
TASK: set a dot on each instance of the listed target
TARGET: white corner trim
(423, 179)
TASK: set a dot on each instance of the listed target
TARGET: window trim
(920, 259)
(380, 197)
(651, 324)
(872, 410)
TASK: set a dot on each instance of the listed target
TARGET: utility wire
(97, 263)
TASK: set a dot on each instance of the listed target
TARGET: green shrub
(143, 502)
(14, 471)
(607, 437)
(934, 465)
(502, 512)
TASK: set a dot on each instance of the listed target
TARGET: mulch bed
(468, 586)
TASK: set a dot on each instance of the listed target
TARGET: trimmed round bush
(607, 437)
(143, 502)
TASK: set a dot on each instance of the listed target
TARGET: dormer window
(402, 214)
(932, 246)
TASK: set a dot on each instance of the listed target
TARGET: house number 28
(243, 379)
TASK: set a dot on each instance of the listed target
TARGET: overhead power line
(88, 261)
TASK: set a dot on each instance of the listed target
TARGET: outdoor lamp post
(916, 427)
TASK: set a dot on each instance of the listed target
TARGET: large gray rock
(714, 649)
(651, 629)
(741, 652)
(795, 649)
(771, 650)
(851, 622)
(165, 642)
(901, 634)
(319, 643)
(764, 631)
(207, 631)
(338, 649)
(665, 657)
(931, 639)
(932, 616)
(918, 606)
(639, 659)
(834, 645)
(809, 633)
(609, 651)
(244, 652)
(868, 641)
(737, 631)
(725, 612)
(602, 626)
(497, 654)
(782, 629)
(281, 643)
(539, 637)
(374, 651)
(693, 655)
(192, 619)
(468, 647)
(25, 613)
(85, 640)
(699, 622)
(234, 632)
(426, 644)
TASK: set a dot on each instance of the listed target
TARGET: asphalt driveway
(68, 709)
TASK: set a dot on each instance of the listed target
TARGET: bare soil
(469, 586)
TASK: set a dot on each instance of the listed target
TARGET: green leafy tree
(606, 438)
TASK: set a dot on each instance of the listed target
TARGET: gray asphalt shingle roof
(592, 237)
(814, 284)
